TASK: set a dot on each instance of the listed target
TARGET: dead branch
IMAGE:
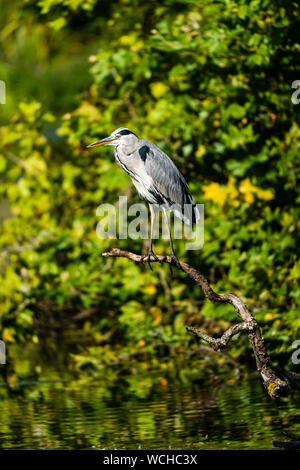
(220, 343)
(276, 385)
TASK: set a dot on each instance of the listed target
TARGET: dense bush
(210, 83)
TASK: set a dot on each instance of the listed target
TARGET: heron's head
(117, 137)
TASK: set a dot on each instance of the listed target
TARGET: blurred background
(210, 83)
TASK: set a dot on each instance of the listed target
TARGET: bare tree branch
(220, 343)
(276, 385)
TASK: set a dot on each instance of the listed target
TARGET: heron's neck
(128, 149)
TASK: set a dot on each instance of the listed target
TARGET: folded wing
(169, 187)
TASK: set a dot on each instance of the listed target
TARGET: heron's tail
(195, 215)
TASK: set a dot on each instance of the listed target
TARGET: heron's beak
(105, 141)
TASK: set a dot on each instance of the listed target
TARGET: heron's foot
(176, 262)
(147, 258)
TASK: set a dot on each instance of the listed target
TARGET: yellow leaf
(201, 150)
(8, 335)
(214, 192)
(12, 378)
(150, 289)
(163, 382)
(265, 194)
(231, 190)
(137, 46)
(157, 315)
(295, 271)
(158, 89)
(271, 316)
(88, 110)
(58, 24)
(247, 189)
(35, 339)
(127, 40)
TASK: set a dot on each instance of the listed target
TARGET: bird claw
(147, 258)
(176, 262)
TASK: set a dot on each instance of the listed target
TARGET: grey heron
(156, 178)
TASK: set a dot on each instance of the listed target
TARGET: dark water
(70, 415)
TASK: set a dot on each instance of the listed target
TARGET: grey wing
(169, 186)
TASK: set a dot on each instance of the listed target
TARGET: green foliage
(210, 83)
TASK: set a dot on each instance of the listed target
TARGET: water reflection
(71, 416)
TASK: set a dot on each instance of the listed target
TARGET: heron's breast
(143, 182)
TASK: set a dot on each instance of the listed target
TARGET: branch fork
(220, 343)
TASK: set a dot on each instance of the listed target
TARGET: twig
(220, 343)
(275, 385)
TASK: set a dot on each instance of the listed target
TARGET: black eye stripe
(125, 132)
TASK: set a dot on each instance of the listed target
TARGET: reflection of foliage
(211, 85)
(102, 415)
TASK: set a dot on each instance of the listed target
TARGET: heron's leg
(152, 220)
(174, 257)
(150, 251)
